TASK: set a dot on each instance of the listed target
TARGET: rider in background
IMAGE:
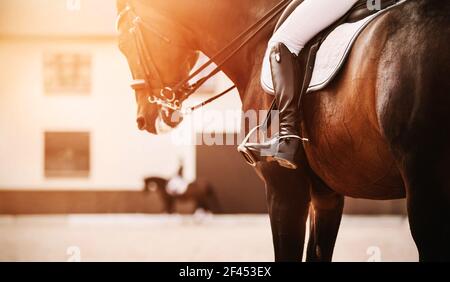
(177, 185)
(281, 75)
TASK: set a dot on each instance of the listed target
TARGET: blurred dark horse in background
(380, 130)
(200, 192)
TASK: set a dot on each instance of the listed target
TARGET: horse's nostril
(141, 123)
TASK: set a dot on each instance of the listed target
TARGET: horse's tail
(207, 196)
(214, 199)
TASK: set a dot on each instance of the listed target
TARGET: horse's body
(379, 131)
(343, 118)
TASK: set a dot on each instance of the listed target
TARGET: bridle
(152, 78)
(173, 97)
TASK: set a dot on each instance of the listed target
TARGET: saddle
(307, 57)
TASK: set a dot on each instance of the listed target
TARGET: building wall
(120, 155)
(58, 17)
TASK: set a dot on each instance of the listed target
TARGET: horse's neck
(214, 23)
(253, 97)
(225, 22)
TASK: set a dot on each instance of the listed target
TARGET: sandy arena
(186, 238)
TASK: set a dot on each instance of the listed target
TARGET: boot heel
(286, 163)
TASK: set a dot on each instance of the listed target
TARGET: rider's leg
(286, 72)
(305, 22)
(281, 74)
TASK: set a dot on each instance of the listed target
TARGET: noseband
(152, 81)
(172, 98)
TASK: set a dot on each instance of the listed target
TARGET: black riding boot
(287, 81)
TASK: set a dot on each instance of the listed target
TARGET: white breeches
(305, 22)
(177, 186)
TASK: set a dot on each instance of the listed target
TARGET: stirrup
(249, 157)
(294, 136)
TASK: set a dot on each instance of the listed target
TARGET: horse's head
(160, 54)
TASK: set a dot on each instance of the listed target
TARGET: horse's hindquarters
(414, 115)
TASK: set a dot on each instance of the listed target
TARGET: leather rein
(172, 97)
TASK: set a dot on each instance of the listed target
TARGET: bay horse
(380, 130)
(199, 191)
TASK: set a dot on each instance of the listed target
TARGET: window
(67, 74)
(67, 154)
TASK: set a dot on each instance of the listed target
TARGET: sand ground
(186, 238)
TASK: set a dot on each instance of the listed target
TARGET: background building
(64, 73)
(70, 150)
(67, 114)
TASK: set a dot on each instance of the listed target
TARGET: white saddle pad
(335, 49)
